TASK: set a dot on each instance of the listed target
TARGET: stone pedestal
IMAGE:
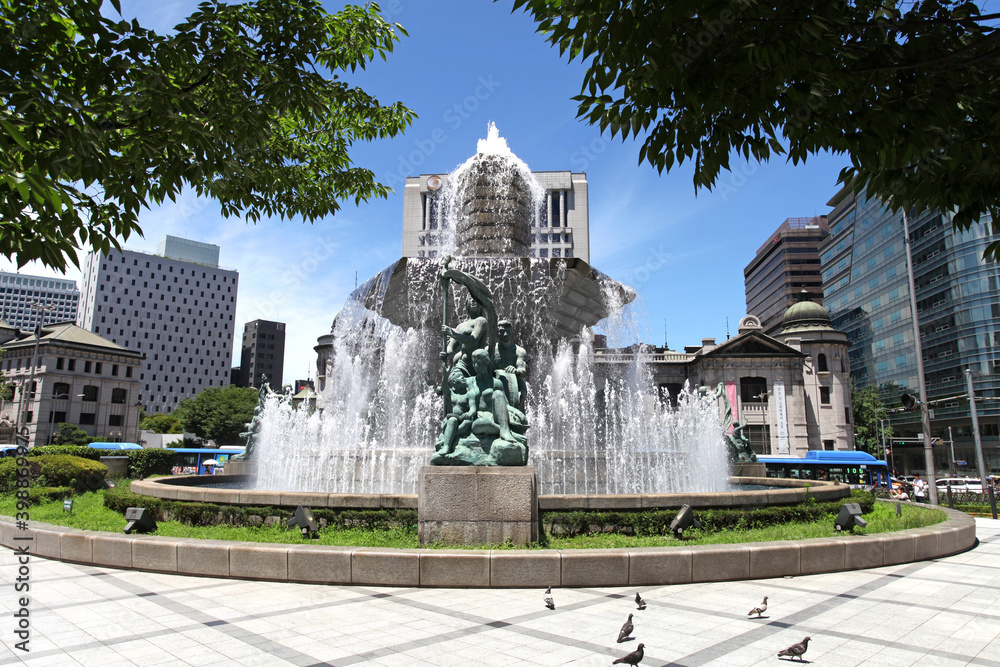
(478, 505)
(746, 469)
(117, 466)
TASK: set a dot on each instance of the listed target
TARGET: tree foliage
(869, 413)
(161, 423)
(71, 434)
(219, 414)
(909, 91)
(100, 118)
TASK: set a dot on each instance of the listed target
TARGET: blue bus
(859, 469)
(192, 461)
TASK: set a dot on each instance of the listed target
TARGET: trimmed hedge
(141, 462)
(71, 450)
(145, 462)
(120, 499)
(657, 522)
(54, 470)
(43, 494)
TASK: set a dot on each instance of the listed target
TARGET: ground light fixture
(849, 518)
(140, 520)
(68, 505)
(684, 519)
(303, 518)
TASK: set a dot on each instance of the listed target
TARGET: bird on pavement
(633, 658)
(549, 602)
(796, 650)
(639, 602)
(626, 630)
(759, 609)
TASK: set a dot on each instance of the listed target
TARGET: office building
(562, 228)
(59, 299)
(787, 263)
(176, 308)
(958, 310)
(263, 354)
(79, 378)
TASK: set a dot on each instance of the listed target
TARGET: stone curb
(453, 568)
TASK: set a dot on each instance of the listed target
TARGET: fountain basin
(529, 568)
(197, 488)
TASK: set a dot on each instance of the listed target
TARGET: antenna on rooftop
(727, 327)
(666, 345)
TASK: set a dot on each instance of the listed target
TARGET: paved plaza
(937, 612)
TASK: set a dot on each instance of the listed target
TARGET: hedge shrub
(657, 522)
(71, 450)
(120, 499)
(43, 494)
(55, 470)
(145, 462)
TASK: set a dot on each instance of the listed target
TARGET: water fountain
(380, 411)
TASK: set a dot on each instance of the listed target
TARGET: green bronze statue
(483, 384)
(739, 447)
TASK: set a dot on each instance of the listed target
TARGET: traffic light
(909, 401)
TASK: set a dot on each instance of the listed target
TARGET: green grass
(89, 513)
(882, 519)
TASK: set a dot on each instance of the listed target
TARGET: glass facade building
(866, 291)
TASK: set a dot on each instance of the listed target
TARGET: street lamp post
(980, 462)
(925, 417)
(58, 397)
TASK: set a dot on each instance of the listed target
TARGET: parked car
(960, 485)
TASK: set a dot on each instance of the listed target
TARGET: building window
(760, 438)
(71, 365)
(118, 395)
(753, 390)
(60, 390)
(114, 420)
(59, 363)
(88, 418)
(86, 367)
(821, 363)
(828, 445)
(824, 395)
(97, 368)
(90, 394)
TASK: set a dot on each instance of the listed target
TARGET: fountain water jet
(591, 432)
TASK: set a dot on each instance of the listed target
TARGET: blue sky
(466, 63)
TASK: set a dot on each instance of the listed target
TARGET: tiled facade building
(787, 263)
(177, 308)
(20, 295)
(263, 353)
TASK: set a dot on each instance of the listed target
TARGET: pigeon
(626, 630)
(549, 602)
(795, 650)
(759, 609)
(639, 602)
(633, 658)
